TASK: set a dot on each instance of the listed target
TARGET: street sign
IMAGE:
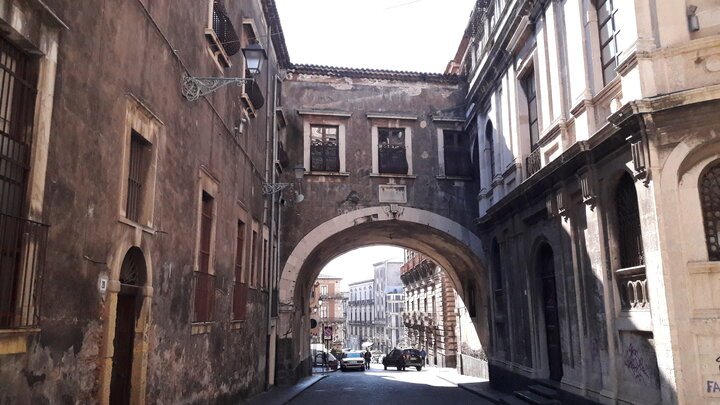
(328, 333)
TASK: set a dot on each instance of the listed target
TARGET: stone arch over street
(450, 244)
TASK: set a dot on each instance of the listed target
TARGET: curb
(483, 394)
(294, 395)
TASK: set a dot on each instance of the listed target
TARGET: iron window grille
(324, 151)
(710, 203)
(608, 33)
(222, 25)
(391, 151)
(22, 242)
(137, 170)
(457, 154)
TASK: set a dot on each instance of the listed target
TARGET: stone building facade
(360, 311)
(429, 316)
(138, 260)
(598, 151)
(394, 310)
(387, 279)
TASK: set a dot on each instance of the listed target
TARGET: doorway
(546, 261)
(129, 304)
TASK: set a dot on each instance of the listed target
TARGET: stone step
(544, 391)
(511, 400)
(533, 398)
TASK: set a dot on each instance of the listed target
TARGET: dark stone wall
(113, 49)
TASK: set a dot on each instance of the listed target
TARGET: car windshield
(353, 355)
(411, 352)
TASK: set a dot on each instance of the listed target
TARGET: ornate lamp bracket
(272, 188)
(195, 87)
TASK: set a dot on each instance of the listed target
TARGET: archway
(449, 244)
(129, 321)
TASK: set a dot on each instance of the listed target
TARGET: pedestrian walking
(368, 357)
(422, 355)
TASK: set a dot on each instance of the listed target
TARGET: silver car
(353, 359)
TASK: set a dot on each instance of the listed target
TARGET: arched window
(710, 202)
(490, 148)
(628, 219)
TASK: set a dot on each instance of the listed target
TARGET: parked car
(353, 359)
(402, 358)
(322, 357)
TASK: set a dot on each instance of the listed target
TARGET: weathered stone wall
(115, 52)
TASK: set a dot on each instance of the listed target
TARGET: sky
(411, 35)
(357, 265)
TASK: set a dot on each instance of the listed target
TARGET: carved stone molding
(588, 186)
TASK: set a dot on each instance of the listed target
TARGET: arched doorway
(133, 276)
(546, 270)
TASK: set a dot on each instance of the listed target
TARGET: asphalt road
(376, 386)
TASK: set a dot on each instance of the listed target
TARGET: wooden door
(123, 350)
(552, 322)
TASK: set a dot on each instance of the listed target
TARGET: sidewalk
(283, 395)
(478, 386)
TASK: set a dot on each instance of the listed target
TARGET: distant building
(394, 308)
(360, 313)
(326, 301)
(429, 309)
(387, 279)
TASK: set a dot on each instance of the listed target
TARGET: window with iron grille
(528, 86)
(457, 154)
(23, 242)
(240, 289)
(324, 155)
(710, 202)
(140, 155)
(628, 217)
(608, 33)
(224, 30)
(391, 151)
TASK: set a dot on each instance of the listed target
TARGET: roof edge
(398, 75)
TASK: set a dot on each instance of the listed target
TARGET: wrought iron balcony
(22, 261)
(632, 284)
(533, 162)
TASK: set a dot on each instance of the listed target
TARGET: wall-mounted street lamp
(195, 87)
(272, 188)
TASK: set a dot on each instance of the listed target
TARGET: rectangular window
(265, 265)
(457, 154)
(240, 288)
(324, 151)
(204, 281)
(138, 167)
(528, 86)
(391, 151)
(608, 33)
(253, 259)
(323, 290)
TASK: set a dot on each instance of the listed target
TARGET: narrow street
(377, 386)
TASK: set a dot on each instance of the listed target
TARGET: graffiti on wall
(636, 364)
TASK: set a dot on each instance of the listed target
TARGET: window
(490, 148)
(140, 156)
(391, 151)
(528, 86)
(240, 288)
(631, 279)
(457, 154)
(323, 290)
(265, 259)
(710, 201)
(608, 33)
(220, 33)
(22, 246)
(254, 258)
(324, 151)
(204, 279)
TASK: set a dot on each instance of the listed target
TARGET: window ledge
(634, 321)
(333, 174)
(237, 324)
(134, 224)
(397, 176)
(202, 328)
(454, 178)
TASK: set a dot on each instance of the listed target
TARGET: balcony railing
(632, 283)
(204, 285)
(22, 261)
(533, 162)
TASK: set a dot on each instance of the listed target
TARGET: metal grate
(391, 151)
(138, 165)
(324, 146)
(22, 262)
(532, 162)
(224, 29)
(710, 200)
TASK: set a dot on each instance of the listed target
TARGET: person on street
(422, 355)
(368, 357)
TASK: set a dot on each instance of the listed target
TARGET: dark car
(402, 358)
